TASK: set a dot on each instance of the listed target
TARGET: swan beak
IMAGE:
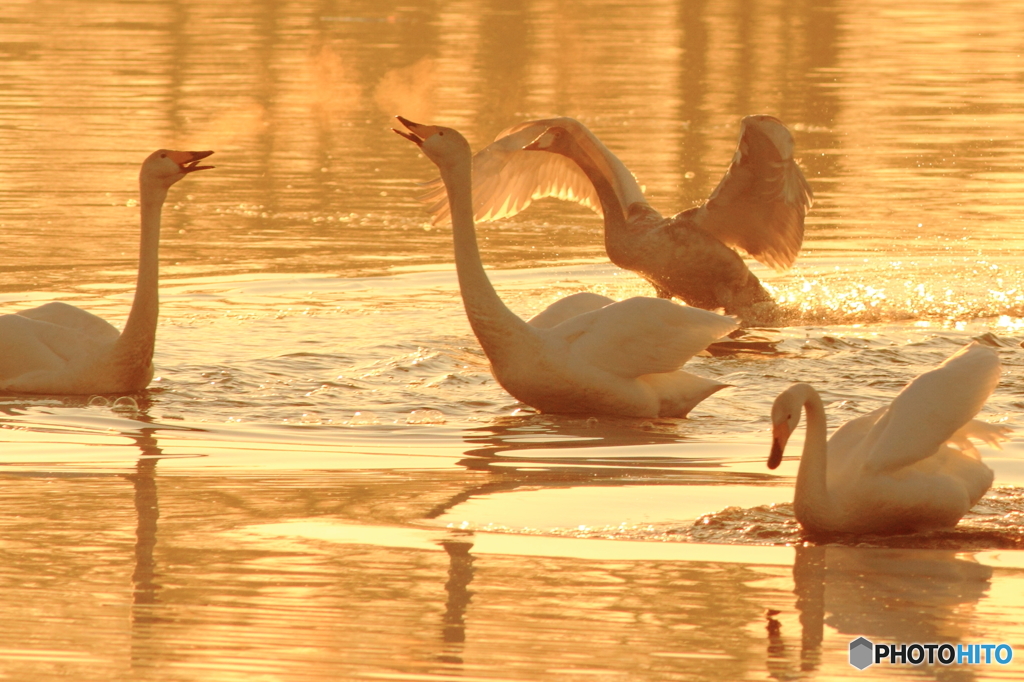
(189, 160)
(417, 131)
(543, 141)
(780, 436)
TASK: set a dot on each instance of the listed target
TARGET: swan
(902, 468)
(583, 354)
(57, 348)
(759, 206)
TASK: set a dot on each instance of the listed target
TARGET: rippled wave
(996, 522)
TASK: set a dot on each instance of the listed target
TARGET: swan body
(759, 206)
(57, 348)
(585, 353)
(905, 467)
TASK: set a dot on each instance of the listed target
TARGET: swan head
(165, 166)
(446, 147)
(555, 139)
(785, 418)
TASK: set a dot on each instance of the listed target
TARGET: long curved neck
(490, 318)
(811, 499)
(624, 185)
(576, 149)
(609, 175)
(135, 346)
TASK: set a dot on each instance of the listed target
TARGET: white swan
(60, 349)
(902, 468)
(758, 206)
(583, 354)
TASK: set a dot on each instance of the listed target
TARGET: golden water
(324, 482)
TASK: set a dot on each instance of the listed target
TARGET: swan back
(642, 335)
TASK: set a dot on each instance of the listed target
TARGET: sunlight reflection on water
(278, 502)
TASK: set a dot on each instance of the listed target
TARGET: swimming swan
(60, 349)
(902, 468)
(758, 206)
(582, 354)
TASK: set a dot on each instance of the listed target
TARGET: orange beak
(189, 160)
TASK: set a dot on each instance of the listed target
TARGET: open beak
(417, 131)
(189, 160)
(542, 142)
(780, 436)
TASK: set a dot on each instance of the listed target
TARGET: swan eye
(163, 156)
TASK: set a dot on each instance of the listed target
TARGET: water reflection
(517, 435)
(540, 445)
(537, 451)
(908, 121)
(888, 595)
(460, 574)
(148, 510)
(340, 561)
(145, 612)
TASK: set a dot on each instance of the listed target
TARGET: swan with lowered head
(905, 467)
(583, 354)
(57, 348)
(758, 206)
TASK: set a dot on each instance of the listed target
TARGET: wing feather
(643, 335)
(933, 408)
(507, 179)
(760, 203)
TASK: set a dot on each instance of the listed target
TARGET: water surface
(324, 481)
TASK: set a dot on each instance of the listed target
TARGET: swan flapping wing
(642, 335)
(507, 179)
(934, 408)
(759, 205)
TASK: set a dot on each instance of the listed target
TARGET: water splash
(362, 418)
(125, 405)
(947, 290)
(425, 417)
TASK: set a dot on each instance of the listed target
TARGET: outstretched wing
(642, 335)
(759, 205)
(933, 408)
(507, 179)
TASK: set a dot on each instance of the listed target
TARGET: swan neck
(489, 317)
(583, 151)
(811, 499)
(138, 338)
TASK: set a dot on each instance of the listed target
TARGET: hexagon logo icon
(862, 651)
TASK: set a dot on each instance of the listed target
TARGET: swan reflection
(460, 574)
(897, 595)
